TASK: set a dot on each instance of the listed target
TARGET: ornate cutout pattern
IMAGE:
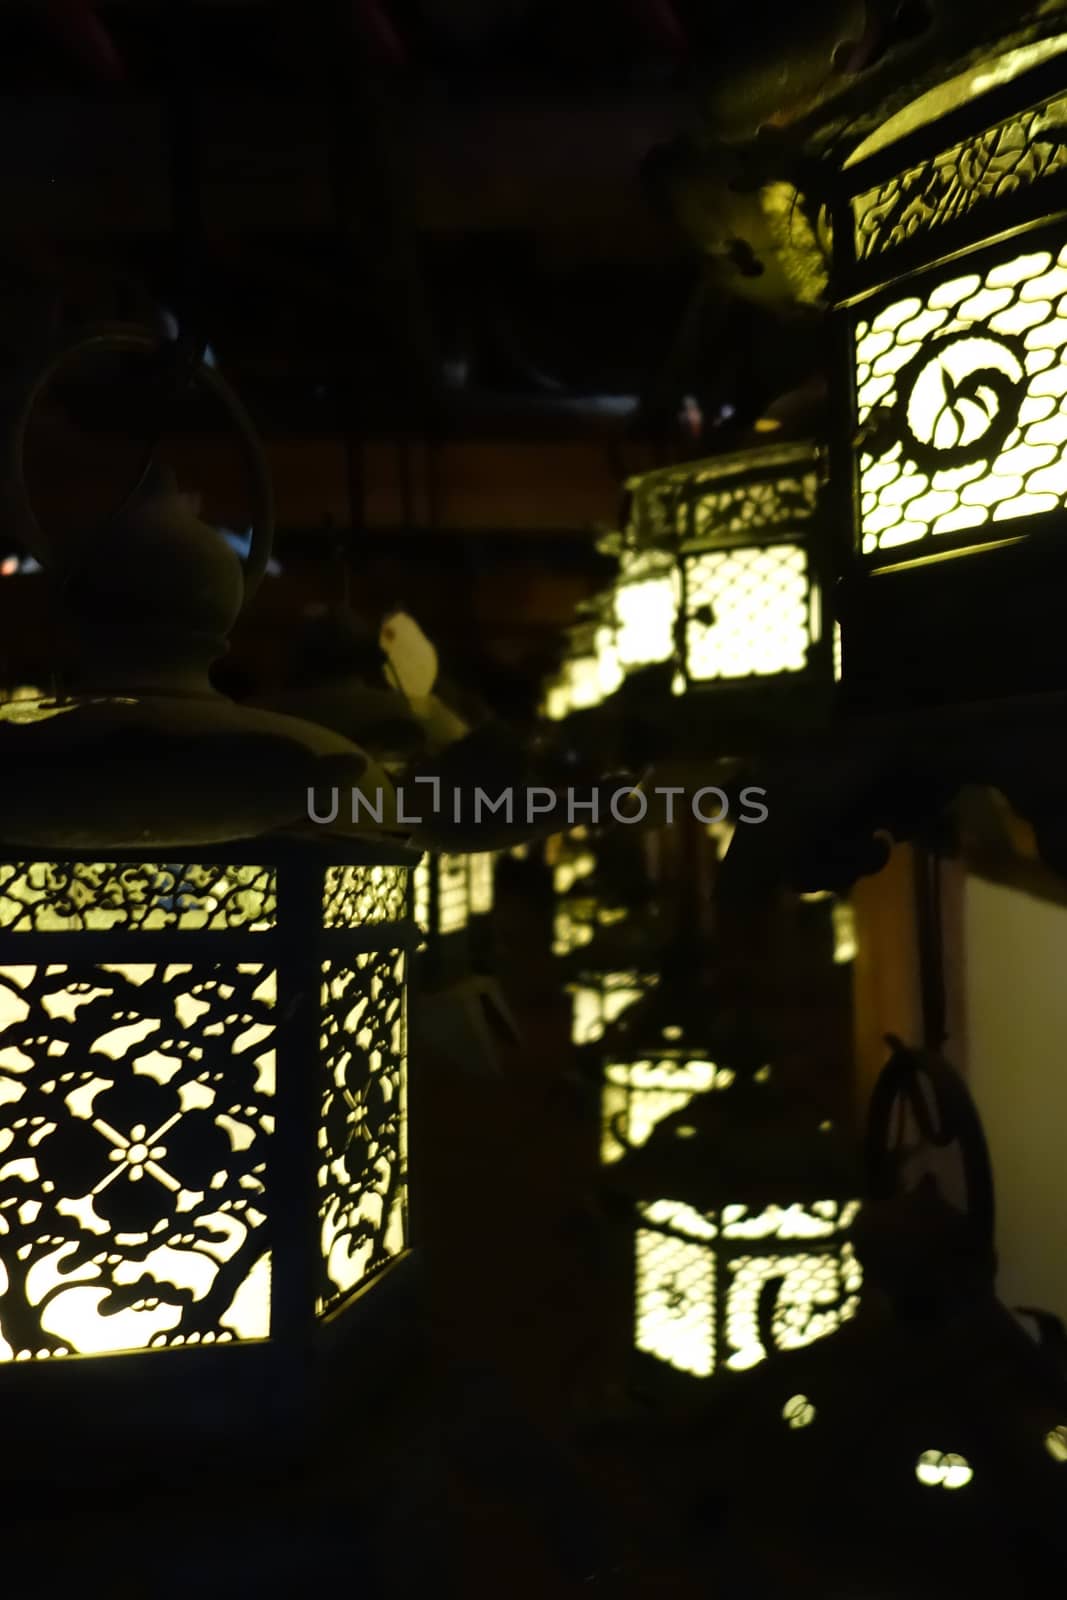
(1012, 155)
(362, 1175)
(733, 510)
(749, 612)
(600, 1001)
(81, 896)
(355, 896)
(962, 403)
(133, 1156)
(685, 1259)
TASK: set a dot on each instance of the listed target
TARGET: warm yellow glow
(636, 1095)
(585, 681)
(566, 873)
(65, 897)
(482, 878)
(422, 887)
(124, 1226)
(798, 1412)
(362, 1177)
(958, 91)
(748, 612)
(846, 941)
(1056, 1443)
(645, 612)
(355, 896)
(993, 370)
(686, 1260)
(453, 893)
(940, 1471)
(597, 1005)
(675, 1297)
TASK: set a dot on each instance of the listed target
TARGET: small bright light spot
(763, 1074)
(825, 1127)
(798, 1412)
(672, 1031)
(1056, 1443)
(766, 425)
(940, 1471)
(687, 1132)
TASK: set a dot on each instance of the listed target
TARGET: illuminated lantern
(951, 1416)
(203, 1117)
(590, 671)
(737, 1200)
(720, 571)
(950, 271)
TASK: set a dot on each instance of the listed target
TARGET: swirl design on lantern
(961, 401)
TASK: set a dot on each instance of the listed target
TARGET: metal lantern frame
(752, 518)
(949, 264)
(260, 991)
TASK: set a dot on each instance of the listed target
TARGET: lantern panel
(968, 429)
(92, 896)
(639, 1094)
(749, 506)
(482, 880)
(696, 1317)
(362, 1174)
(674, 1302)
(596, 1005)
(453, 891)
(747, 612)
(646, 604)
(1012, 155)
(134, 1155)
(356, 896)
(423, 886)
(813, 1295)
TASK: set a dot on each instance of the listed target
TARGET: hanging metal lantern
(735, 1195)
(949, 1415)
(950, 267)
(202, 1049)
(721, 572)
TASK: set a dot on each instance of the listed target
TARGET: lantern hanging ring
(131, 339)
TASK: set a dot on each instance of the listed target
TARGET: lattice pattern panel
(69, 897)
(686, 1259)
(362, 1140)
(1012, 155)
(749, 612)
(636, 1095)
(962, 398)
(422, 891)
(736, 510)
(356, 896)
(674, 1310)
(134, 1156)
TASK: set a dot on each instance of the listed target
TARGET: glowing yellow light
(644, 612)
(566, 873)
(686, 1263)
(846, 943)
(482, 871)
(453, 894)
(938, 1470)
(992, 375)
(748, 612)
(1056, 1443)
(798, 1412)
(597, 1005)
(637, 1095)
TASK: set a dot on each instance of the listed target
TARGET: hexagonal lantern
(721, 571)
(950, 449)
(203, 1132)
(735, 1197)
